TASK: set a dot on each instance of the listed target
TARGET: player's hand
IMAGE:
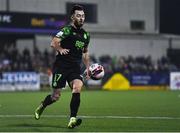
(87, 75)
(64, 51)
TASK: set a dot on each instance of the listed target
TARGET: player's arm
(86, 61)
(56, 44)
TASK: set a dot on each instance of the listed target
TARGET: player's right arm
(56, 41)
(56, 44)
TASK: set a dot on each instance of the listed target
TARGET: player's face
(78, 18)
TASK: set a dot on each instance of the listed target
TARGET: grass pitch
(101, 111)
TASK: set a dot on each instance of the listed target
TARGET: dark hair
(76, 7)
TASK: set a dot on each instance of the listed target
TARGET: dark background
(170, 16)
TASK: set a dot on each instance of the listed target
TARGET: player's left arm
(86, 60)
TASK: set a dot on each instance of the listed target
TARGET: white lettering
(5, 18)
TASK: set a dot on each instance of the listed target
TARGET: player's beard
(78, 24)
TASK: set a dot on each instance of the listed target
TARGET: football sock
(74, 104)
(47, 101)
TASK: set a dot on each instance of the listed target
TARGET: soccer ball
(96, 71)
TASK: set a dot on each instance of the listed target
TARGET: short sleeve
(64, 32)
(87, 37)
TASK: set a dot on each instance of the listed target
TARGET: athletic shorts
(63, 75)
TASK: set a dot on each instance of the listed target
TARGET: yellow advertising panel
(117, 82)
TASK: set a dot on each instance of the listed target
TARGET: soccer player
(71, 44)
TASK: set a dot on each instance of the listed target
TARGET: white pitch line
(95, 117)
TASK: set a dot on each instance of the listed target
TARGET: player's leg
(58, 82)
(75, 99)
(49, 99)
(76, 86)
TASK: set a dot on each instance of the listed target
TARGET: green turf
(93, 103)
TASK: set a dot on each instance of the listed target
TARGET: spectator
(12, 60)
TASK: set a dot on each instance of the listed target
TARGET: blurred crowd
(135, 64)
(13, 60)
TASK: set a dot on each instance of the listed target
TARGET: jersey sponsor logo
(79, 45)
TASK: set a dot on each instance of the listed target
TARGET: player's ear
(72, 17)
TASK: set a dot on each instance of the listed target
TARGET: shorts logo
(56, 79)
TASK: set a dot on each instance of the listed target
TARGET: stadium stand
(12, 60)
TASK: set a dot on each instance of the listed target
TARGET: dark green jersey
(75, 40)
